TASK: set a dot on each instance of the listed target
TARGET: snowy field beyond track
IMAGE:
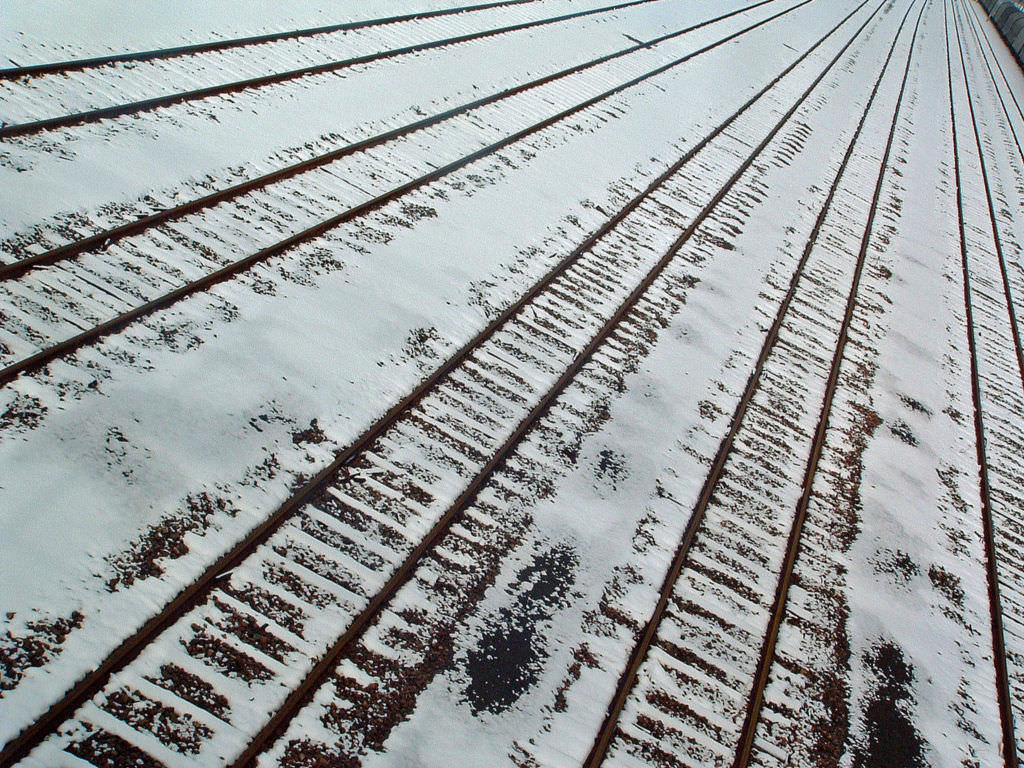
(532, 383)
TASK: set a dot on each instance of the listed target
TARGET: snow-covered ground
(132, 463)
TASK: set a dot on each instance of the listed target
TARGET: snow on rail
(611, 384)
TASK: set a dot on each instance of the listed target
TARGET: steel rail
(47, 355)
(106, 237)
(76, 65)
(1018, 348)
(767, 656)
(89, 685)
(628, 678)
(1002, 679)
(303, 693)
(146, 105)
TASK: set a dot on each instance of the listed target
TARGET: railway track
(316, 635)
(374, 489)
(196, 258)
(998, 395)
(993, 220)
(767, 654)
(785, 668)
(1000, 485)
(978, 33)
(342, 707)
(106, 237)
(92, 62)
(978, 26)
(885, 411)
(689, 604)
(1009, 741)
(249, 757)
(24, 100)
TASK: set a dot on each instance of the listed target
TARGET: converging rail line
(107, 237)
(767, 654)
(999, 652)
(469, 382)
(181, 97)
(39, 359)
(754, 382)
(723, 605)
(997, 239)
(303, 694)
(988, 44)
(978, 34)
(74, 65)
